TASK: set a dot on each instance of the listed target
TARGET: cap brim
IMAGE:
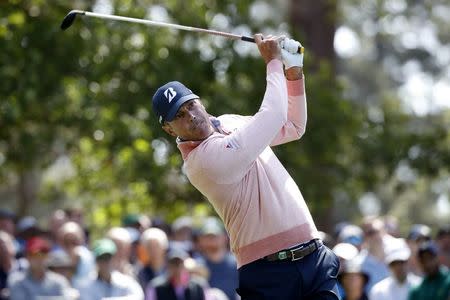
(399, 257)
(210, 232)
(103, 253)
(174, 109)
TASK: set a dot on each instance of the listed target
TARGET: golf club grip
(248, 39)
(252, 40)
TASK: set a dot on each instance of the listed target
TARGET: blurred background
(77, 131)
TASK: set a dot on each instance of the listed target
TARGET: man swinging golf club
(229, 160)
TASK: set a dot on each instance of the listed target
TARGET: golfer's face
(192, 122)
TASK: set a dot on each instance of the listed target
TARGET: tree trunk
(27, 191)
(315, 22)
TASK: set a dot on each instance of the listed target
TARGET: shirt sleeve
(295, 126)
(135, 290)
(17, 292)
(228, 158)
(374, 293)
(64, 286)
(150, 293)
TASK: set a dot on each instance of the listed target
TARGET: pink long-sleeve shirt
(260, 204)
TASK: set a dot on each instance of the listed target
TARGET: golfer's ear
(167, 128)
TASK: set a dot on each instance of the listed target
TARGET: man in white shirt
(108, 283)
(398, 284)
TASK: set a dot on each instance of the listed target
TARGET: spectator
(201, 272)
(391, 226)
(338, 228)
(182, 229)
(135, 236)
(57, 219)
(398, 284)
(61, 263)
(38, 281)
(353, 281)
(212, 244)
(436, 283)
(346, 253)
(140, 222)
(121, 260)
(182, 233)
(197, 269)
(372, 254)
(75, 214)
(351, 234)
(7, 262)
(71, 238)
(443, 243)
(7, 222)
(176, 284)
(26, 228)
(108, 283)
(418, 234)
(159, 222)
(154, 245)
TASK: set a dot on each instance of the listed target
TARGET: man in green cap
(108, 283)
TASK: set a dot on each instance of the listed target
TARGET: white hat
(182, 222)
(345, 251)
(397, 250)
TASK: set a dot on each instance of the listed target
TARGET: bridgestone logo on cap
(170, 94)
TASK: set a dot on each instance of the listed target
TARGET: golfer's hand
(292, 60)
(289, 53)
(269, 47)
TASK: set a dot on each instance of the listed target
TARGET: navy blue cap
(428, 247)
(419, 231)
(168, 99)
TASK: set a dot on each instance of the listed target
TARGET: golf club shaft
(169, 25)
(163, 24)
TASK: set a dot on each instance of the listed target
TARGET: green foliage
(85, 94)
(403, 156)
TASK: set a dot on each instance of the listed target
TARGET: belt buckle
(294, 257)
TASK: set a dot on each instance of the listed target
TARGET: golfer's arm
(295, 126)
(240, 149)
(262, 128)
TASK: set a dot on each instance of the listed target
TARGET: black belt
(296, 252)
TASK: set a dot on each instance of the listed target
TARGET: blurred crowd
(378, 263)
(190, 259)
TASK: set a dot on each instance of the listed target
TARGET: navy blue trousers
(313, 277)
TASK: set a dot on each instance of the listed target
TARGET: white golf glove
(289, 53)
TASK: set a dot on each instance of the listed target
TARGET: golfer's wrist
(294, 73)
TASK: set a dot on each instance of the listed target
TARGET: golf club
(70, 18)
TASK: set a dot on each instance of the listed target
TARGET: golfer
(229, 160)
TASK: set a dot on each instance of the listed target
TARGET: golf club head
(69, 18)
